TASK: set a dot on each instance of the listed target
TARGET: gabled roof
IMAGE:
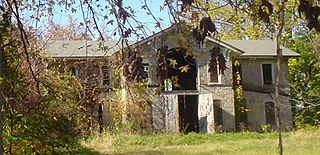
(170, 28)
(81, 48)
(246, 48)
(78, 48)
(259, 48)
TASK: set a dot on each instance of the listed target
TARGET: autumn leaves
(178, 64)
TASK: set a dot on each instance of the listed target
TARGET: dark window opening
(217, 111)
(105, 70)
(188, 113)
(145, 71)
(270, 113)
(75, 71)
(267, 73)
(182, 80)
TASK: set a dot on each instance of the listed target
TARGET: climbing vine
(240, 107)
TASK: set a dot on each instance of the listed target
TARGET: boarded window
(218, 119)
(105, 70)
(270, 113)
(267, 73)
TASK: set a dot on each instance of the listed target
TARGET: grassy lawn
(305, 142)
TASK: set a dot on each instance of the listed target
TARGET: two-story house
(200, 100)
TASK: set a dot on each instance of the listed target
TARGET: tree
(69, 31)
(304, 78)
(115, 12)
(38, 109)
(38, 104)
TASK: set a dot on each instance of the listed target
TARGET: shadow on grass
(149, 152)
(80, 151)
(87, 151)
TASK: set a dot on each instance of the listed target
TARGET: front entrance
(188, 113)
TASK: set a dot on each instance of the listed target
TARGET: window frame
(76, 71)
(219, 76)
(146, 71)
(102, 77)
(272, 73)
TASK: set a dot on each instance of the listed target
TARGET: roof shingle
(81, 48)
(259, 48)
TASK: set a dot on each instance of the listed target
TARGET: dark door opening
(188, 113)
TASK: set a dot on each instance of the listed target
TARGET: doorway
(188, 113)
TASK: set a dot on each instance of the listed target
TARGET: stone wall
(166, 110)
(165, 113)
(216, 91)
(251, 73)
(255, 102)
(206, 111)
(256, 93)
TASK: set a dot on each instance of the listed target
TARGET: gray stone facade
(212, 104)
(256, 93)
(166, 107)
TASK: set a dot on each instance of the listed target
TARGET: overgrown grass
(304, 141)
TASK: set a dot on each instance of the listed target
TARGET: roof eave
(239, 51)
(79, 57)
(153, 36)
(267, 56)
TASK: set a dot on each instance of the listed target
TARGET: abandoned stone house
(204, 101)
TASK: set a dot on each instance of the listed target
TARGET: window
(267, 73)
(217, 111)
(145, 71)
(270, 113)
(75, 71)
(105, 79)
(214, 76)
(167, 85)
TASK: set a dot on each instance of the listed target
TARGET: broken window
(218, 119)
(270, 113)
(267, 73)
(106, 79)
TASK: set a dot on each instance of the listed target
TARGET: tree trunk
(1, 101)
(124, 88)
(278, 72)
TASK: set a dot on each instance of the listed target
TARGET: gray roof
(259, 48)
(80, 48)
(77, 48)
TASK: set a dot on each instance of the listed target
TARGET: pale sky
(60, 15)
